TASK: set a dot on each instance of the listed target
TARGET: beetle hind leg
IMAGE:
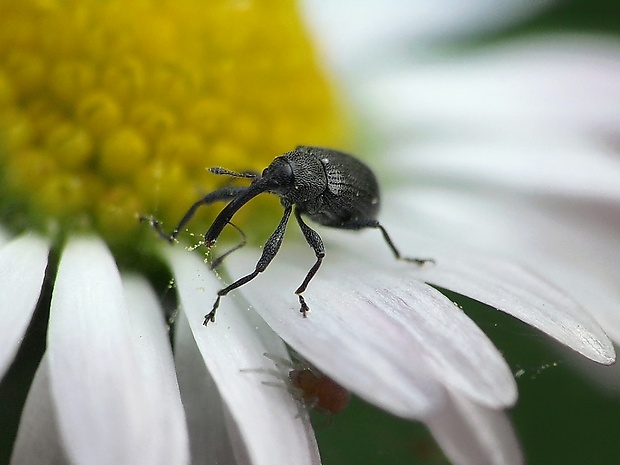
(375, 224)
(397, 254)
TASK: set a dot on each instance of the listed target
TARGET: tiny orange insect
(317, 390)
(311, 387)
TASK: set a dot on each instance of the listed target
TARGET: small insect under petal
(319, 391)
(313, 389)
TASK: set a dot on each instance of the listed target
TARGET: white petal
(38, 439)
(567, 166)
(578, 248)
(598, 293)
(507, 285)
(565, 226)
(22, 268)
(545, 240)
(394, 336)
(156, 363)
(355, 35)
(459, 353)
(522, 293)
(549, 84)
(265, 417)
(473, 435)
(209, 440)
(101, 398)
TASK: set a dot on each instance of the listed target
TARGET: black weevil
(332, 188)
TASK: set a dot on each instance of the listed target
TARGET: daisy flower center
(112, 109)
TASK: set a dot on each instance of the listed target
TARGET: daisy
(108, 388)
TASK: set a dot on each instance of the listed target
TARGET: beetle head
(279, 176)
(258, 186)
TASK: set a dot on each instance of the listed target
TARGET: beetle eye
(285, 174)
(280, 173)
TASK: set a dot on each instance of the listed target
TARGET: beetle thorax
(309, 178)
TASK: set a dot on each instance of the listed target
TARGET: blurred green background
(561, 417)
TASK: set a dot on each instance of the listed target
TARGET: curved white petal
(358, 35)
(515, 289)
(507, 285)
(554, 84)
(555, 242)
(264, 417)
(568, 240)
(395, 337)
(598, 293)
(209, 438)
(470, 434)
(459, 353)
(22, 269)
(155, 360)
(98, 388)
(522, 293)
(568, 166)
(38, 439)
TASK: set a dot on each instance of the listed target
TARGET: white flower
(495, 193)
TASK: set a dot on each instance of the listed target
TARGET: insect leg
(314, 240)
(218, 261)
(375, 224)
(270, 249)
(225, 193)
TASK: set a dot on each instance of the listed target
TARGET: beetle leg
(375, 224)
(218, 261)
(388, 239)
(225, 193)
(270, 249)
(315, 241)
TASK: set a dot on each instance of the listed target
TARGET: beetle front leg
(219, 195)
(270, 249)
(314, 240)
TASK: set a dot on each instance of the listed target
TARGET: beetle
(330, 187)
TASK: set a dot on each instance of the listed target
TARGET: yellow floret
(113, 109)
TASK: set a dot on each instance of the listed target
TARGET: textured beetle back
(352, 192)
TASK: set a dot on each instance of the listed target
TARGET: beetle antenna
(257, 187)
(223, 171)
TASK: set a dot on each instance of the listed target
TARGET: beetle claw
(304, 306)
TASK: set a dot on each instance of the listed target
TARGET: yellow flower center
(112, 109)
